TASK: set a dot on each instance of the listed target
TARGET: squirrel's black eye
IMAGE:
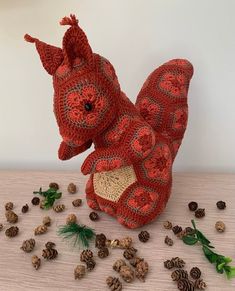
(88, 106)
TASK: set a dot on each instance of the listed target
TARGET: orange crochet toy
(135, 145)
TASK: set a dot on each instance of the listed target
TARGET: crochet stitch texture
(135, 145)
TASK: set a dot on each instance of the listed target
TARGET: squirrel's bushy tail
(162, 101)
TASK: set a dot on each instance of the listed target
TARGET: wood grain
(16, 272)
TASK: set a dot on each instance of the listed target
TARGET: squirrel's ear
(75, 43)
(51, 56)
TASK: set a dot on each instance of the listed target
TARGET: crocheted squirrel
(134, 145)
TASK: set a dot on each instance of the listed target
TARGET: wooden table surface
(17, 273)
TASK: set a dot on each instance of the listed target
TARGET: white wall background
(137, 36)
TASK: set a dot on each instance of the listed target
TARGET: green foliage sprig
(221, 262)
(50, 196)
(80, 235)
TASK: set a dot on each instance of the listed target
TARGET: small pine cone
(114, 284)
(40, 229)
(167, 224)
(50, 245)
(221, 205)
(136, 260)
(25, 208)
(193, 206)
(12, 231)
(168, 264)
(28, 245)
(11, 216)
(115, 243)
(200, 212)
(79, 272)
(36, 262)
(181, 234)
(1, 226)
(103, 253)
(93, 216)
(127, 274)
(54, 185)
(72, 188)
(125, 243)
(185, 285)
(177, 262)
(35, 201)
(168, 241)
(129, 253)
(86, 255)
(179, 274)
(49, 254)
(59, 208)
(200, 284)
(9, 206)
(220, 226)
(144, 236)
(176, 229)
(90, 264)
(46, 221)
(141, 270)
(77, 202)
(189, 230)
(100, 240)
(71, 218)
(118, 265)
(195, 273)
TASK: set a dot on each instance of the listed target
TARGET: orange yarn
(135, 145)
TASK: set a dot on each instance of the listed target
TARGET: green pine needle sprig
(221, 262)
(80, 235)
(50, 196)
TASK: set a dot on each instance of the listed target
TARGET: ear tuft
(29, 38)
(72, 20)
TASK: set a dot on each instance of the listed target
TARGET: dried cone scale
(28, 245)
(41, 229)
(114, 284)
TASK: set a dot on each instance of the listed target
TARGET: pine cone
(86, 255)
(77, 202)
(100, 241)
(176, 229)
(54, 185)
(129, 253)
(79, 272)
(35, 201)
(25, 208)
(127, 274)
(168, 264)
(118, 264)
(41, 229)
(193, 206)
(168, 241)
(50, 245)
(200, 284)
(220, 226)
(141, 270)
(11, 216)
(125, 243)
(46, 221)
(185, 285)
(195, 273)
(72, 188)
(221, 205)
(167, 224)
(200, 212)
(114, 284)
(115, 243)
(90, 264)
(179, 274)
(93, 216)
(28, 245)
(9, 206)
(12, 231)
(189, 230)
(59, 208)
(177, 262)
(36, 262)
(136, 260)
(144, 236)
(71, 218)
(181, 234)
(49, 254)
(103, 253)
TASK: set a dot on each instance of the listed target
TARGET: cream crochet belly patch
(110, 185)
